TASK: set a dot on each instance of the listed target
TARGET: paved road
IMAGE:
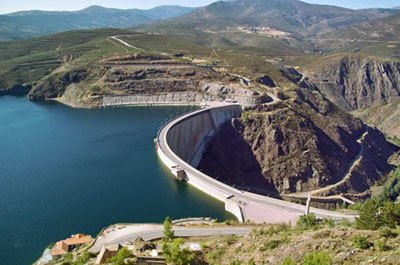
(125, 43)
(255, 207)
(152, 232)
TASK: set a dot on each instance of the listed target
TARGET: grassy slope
(27, 61)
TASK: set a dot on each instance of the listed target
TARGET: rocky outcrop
(133, 84)
(55, 85)
(295, 145)
(355, 82)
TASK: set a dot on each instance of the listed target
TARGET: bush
(174, 254)
(246, 117)
(361, 242)
(119, 259)
(272, 244)
(288, 261)
(329, 222)
(307, 221)
(345, 222)
(236, 262)
(283, 228)
(387, 232)
(381, 245)
(317, 258)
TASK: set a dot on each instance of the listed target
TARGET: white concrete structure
(182, 142)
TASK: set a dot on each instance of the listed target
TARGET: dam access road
(181, 144)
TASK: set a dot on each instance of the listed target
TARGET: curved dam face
(182, 143)
(188, 138)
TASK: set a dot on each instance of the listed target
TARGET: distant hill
(27, 24)
(385, 29)
(295, 17)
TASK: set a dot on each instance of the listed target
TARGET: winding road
(123, 234)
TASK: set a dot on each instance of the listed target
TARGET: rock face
(55, 85)
(355, 82)
(154, 82)
(295, 145)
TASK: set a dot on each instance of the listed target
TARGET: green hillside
(29, 24)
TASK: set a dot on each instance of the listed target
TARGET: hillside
(297, 145)
(295, 17)
(28, 24)
(376, 37)
(310, 241)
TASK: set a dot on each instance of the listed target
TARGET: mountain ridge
(293, 16)
(35, 23)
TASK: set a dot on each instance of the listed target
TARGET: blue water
(65, 171)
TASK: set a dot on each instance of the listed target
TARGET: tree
(369, 215)
(175, 254)
(168, 232)
(375, 214)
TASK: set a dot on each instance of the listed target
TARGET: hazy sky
(7, 6)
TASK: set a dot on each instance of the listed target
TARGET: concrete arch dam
(181, 144)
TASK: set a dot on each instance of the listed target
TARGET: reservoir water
(65, 171)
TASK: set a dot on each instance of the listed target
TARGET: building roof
(60, 248)
(78, 239)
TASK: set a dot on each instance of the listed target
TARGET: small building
(106, 252)
(59, 249)
(64, 246)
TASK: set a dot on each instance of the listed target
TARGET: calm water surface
(65, 171)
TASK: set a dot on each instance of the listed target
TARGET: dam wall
(183, 143)
(188, 138)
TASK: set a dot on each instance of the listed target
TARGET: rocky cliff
(153, 80)
(355, 82)
(296, 145)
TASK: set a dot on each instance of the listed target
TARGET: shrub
(361, 242)
(282, 227)
(236, 262)
(317, 258)
(271, 231)
(387, 232)
(307, 221)
(272, 244)
(345, 222)
(329, 222)
(119, 259)
(288, 261)
(381, 245)
(173, 252)
(246, 117)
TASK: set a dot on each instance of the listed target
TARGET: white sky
(8, 6)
